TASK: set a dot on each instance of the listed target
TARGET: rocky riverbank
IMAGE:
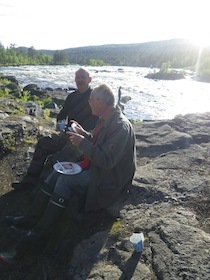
(169, 201)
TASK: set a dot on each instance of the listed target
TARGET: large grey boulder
(170, 191)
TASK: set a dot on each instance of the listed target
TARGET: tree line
(178, 53)
(13, 56)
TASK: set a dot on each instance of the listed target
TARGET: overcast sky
(57, 25)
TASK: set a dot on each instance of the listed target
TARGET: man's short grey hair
(104, 94)
(83, 70)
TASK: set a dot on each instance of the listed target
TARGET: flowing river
(150, 99)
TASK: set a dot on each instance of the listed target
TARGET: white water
(150, 99)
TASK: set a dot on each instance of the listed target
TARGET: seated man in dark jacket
(76, 107)
(108, 168)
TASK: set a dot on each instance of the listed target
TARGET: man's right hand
(77, 128)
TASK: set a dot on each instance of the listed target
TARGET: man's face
(96, 105)
(82, 80)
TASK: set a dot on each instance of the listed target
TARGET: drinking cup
(137, 239)
(61, 126)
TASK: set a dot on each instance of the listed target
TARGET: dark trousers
(48, 150)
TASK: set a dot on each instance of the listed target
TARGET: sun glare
(198, 32)
(194, 21)
(201, 40)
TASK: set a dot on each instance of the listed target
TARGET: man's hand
(77, 128)
(75, 138)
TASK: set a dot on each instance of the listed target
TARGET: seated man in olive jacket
(108, 168)
(75, 107)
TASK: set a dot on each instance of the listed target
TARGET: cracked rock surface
(169, 201)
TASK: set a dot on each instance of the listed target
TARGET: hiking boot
(35, 210)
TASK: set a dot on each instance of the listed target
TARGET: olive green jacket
(113, 162)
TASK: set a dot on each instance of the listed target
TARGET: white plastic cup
(137, 239)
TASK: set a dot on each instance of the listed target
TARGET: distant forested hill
(180, 53)
(176, 53)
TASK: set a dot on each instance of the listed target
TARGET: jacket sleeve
(111, 147)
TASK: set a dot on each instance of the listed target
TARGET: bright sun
(197, 25)
(201, 40)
